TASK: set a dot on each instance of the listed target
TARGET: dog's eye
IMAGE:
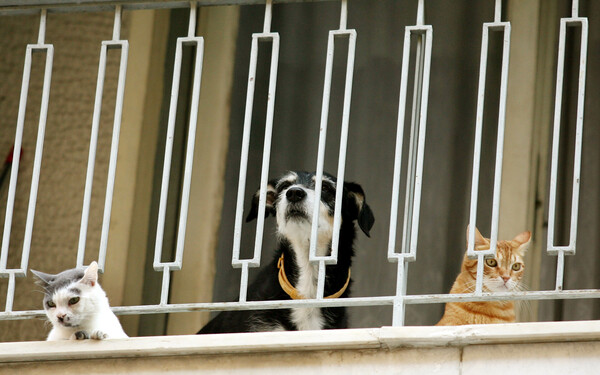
(284, 185)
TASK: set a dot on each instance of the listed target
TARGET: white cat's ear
(481, 243)
(523, 239)
(43, 278)
(91, 275)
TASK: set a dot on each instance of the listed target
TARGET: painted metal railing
(403, 255)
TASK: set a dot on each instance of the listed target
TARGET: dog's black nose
(295, 194)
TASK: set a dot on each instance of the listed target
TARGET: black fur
(266, 285)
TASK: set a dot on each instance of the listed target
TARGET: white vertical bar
(89, 180)
(399, 305)
(239, 211)
(10, 292)
(37, 162)
(255, 261)
(192, 20)
(164, 291)
(498, 11)
(480, 254)
(124, 46)
(575, 9)
(42, 29)
(341, 169)
(332, 258)
(177, 263)
(10, 201)
(579, 133)
(268, 16)
(477, 150)
(264, 177)
(479, 277)
(344, 15)
(114, 149)
(415, 161)
(38, 151)
(321, 148)
(556, 134)
(321, 279)
(322, 141)
(189, 158)
(420, 153)
(398, 152)
(162, 209)
(420, 13)
(408, 224)
(553, 249)
(416, 146)
(500, 138)
(571, 248)
(244, 282)
(560, 270)
(117, 24)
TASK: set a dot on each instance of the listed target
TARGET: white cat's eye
(73, 300)
(491, 262)
(517, 266)
(51, 304)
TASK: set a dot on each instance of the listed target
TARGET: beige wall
(56, 231)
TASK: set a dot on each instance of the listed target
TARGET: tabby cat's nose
(505, 278)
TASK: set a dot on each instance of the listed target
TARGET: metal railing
(403, 254)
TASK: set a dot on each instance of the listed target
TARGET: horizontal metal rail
(21, 7)
(334, 302)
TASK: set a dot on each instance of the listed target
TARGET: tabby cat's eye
(51, 304)
(73, 300)
(517, 266)
(491, 262)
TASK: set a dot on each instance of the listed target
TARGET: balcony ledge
(449, 345)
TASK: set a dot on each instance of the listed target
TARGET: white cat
(77, 306)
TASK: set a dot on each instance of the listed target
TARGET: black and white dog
(290, 275)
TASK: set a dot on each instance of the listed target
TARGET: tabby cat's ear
(523, 239)
(90, 276)
(481, 243)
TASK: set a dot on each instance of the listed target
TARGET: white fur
(297, 232)
(92, 314)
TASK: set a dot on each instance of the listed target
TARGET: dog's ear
(361, 212)
(269, 205)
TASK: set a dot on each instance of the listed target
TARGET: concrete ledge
(385, 338)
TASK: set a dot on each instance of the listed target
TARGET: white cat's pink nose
(61, 317)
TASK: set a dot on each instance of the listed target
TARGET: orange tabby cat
(500, 274)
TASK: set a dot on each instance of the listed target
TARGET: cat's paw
(80, 335)
(99, 335)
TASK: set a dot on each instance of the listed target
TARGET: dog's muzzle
(296, 207)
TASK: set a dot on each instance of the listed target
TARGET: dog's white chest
(306, 318)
